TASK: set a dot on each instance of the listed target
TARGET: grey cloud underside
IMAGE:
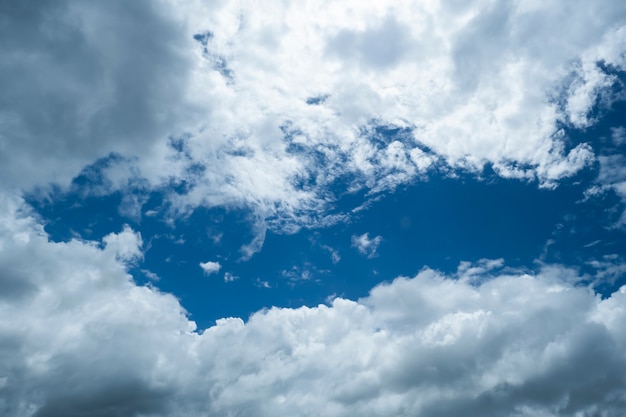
(86, 341)
(81, 80)
(378, 47)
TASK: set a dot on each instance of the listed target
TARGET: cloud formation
(210, 267)
(284, 107)
(487, 341)
(271, 105)
(365, 245)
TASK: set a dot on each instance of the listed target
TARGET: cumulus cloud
(82, 80)
(365, 245)
(80, 338)
(210, 267)
(271, 105)
(126, 245)
(612, 177)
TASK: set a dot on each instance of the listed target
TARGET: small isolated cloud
(150, 275)
(210, 267)
(365, 245)
(262, 284)
(618, 135)
(334, 254)
(228, 277)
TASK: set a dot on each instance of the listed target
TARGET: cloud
(365, 245)
(126, 245)
(282, 107)
(83, 80)
(611, 177)
(210, 267)
(229, 277)
(211, 102)
(618, 135)
(487, 341)
(151, 275)
(334, 253)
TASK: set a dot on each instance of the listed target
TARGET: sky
(280, 208)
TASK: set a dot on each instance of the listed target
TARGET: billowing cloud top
(270, 104)
(81, 339)
(283, 107)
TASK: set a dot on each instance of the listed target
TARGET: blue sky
(228, 209)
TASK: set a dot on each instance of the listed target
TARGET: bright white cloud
(275, 102)
(80, 338)
(365, 245)
(210, 267)
(126, 245)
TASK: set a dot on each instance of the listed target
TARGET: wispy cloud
(229, 277)
(365, 245)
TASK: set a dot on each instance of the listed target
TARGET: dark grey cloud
(83, 79)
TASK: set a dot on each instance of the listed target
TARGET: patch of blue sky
(316, 100)
(219, 62)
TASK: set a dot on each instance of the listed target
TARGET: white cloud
(618, 135)
(463, 85)
(334, 253)
(458, 84)
(210, 267)
(126, 245)
(151, 275)
(505, 344)
(228, 277)
(365, 245)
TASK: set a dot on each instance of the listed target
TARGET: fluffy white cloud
(210, 267)
(79, 338)
(271, 104)
(126, 245)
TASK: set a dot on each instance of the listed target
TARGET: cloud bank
(271, 106)
(80, 338)
(284, 107)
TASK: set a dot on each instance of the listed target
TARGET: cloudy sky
(312, 208)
